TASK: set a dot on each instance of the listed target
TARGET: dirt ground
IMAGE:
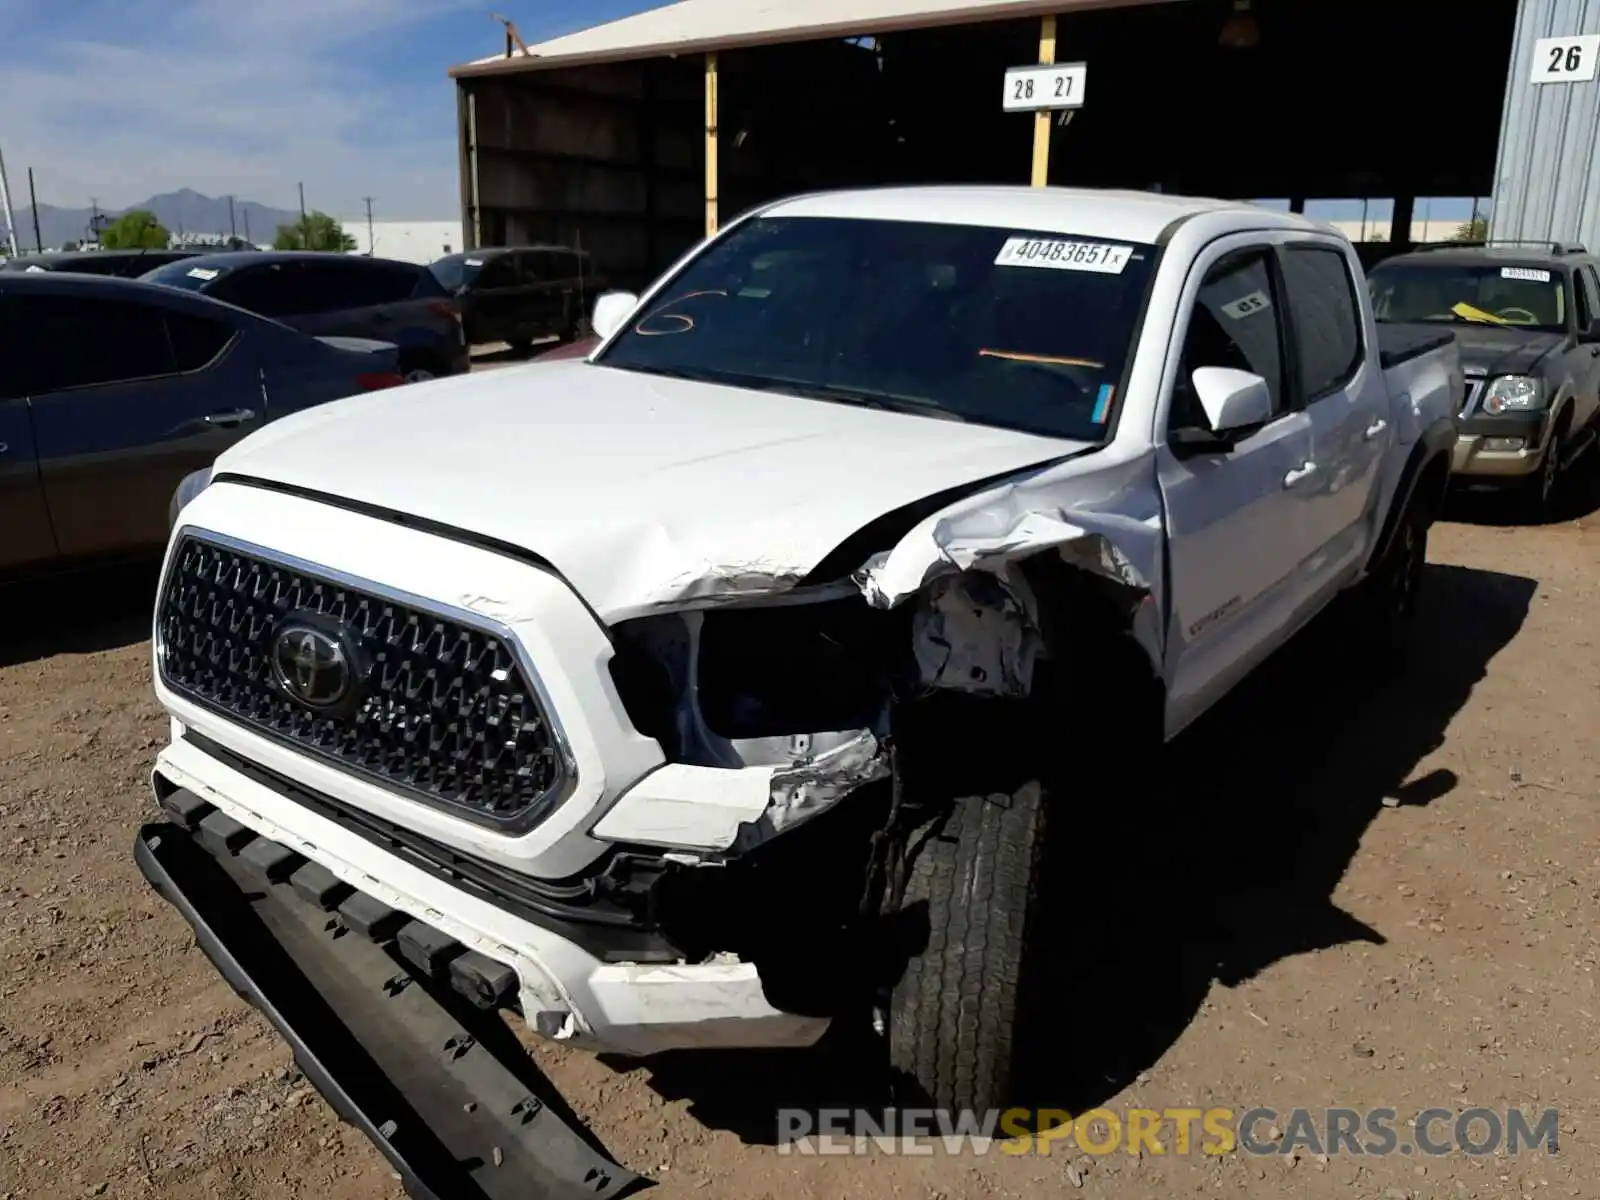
(1356, 895)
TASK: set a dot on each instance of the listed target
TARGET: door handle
(237, 416)
(1300, 474)
(1376, 428)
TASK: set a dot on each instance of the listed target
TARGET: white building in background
(409, 241)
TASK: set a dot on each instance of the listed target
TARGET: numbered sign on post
(1039, 87)
(1566, 59)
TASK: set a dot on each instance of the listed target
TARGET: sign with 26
(1566, 59)
(1040, 87)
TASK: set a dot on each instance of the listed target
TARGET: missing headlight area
(777, 684)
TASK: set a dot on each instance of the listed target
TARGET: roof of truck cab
(1080, 212)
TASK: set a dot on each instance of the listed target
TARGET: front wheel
(960, 1018)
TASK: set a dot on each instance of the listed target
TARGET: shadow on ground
(1230, 868)
(78, 613)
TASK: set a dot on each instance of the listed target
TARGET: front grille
(436, 709)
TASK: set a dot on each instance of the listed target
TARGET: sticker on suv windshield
(1062, 255)
(204, 273)
(1530, 273)
(1246, 306)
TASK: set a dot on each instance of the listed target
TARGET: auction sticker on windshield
(205, 274)
(1062, 255)
(1532, 273)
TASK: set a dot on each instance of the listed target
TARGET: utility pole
(372, 245)
(33, 201)
(233, 229)
(5, 198)
(94, 220)
(247, 226)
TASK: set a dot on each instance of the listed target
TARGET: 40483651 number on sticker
(1064, 255)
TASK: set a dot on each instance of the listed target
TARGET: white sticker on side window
(1062, 255)
(205, 273)
(1533, 274)
(1247, 306)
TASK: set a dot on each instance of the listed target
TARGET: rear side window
(68, 342)
(337, 286)
(1327, 321)
(196, 341)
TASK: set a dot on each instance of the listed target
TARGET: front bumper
(566, 991)
(441, 1090)
(1507, 446)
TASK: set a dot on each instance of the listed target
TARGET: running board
(444, 1091)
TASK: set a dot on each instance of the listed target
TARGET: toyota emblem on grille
(312, 666)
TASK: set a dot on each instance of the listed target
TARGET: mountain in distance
(182, 211)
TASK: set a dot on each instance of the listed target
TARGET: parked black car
(340, 294)
(521, 294)
(127, 263)
(114, 390)
(1527, 317)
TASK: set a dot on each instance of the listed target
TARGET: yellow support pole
(1042, 120)
(711, 143)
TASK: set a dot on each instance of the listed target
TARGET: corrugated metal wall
(1547, 177)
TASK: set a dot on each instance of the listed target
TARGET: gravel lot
(1354, 896)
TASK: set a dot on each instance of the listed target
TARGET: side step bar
(443, 1090)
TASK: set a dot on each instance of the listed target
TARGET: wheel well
(1432, 483)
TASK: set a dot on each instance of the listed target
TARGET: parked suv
(521, 294)
(1527, 316)
(337, 295)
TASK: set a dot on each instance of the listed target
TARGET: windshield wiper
(865, 397)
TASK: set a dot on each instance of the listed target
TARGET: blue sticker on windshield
(1102, 406)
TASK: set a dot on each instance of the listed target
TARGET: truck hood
(644, 492)
(1489, 350)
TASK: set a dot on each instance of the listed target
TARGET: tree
(1475, 230)
(135, 230)
(315, 231)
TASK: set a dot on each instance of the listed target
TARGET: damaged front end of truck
(812, 726)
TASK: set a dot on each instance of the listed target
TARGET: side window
(196, 341)
(1588, 300)
(268, 290)
(1327, 318)
(1236, 323)
(498, 272)
(85, 342)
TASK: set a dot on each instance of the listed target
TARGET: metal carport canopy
(698, 26)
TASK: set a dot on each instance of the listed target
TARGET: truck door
(1339, 382)
(1586, 371)
(1236, 518)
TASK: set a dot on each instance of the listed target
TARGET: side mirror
(1234, 402)
(611, 310)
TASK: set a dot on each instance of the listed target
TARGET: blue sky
(116, 100)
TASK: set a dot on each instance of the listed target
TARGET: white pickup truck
(640, 696)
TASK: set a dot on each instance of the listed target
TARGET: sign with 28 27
(1045, 86)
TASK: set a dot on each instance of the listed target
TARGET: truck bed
(1401, 343)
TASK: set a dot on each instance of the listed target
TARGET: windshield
(1477, 294)
(185, 274)
(456, 271)
(994, 326)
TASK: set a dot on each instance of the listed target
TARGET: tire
(960, 1017)
(1386, 601)
(1540, 493)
